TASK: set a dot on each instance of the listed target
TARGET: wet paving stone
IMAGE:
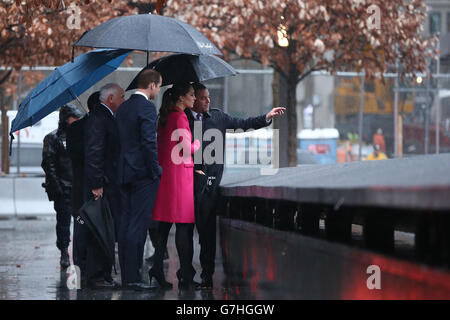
(252, 263)
(29, 268)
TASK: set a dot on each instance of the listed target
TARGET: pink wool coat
(175, 198)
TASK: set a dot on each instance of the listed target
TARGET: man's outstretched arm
(252, 122)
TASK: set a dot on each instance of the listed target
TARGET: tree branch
(280, 71)
(5, 77)
(304, 75)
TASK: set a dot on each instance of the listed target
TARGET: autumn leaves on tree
(41, 32)
(295, 37)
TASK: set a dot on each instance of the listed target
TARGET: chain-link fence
(401, 119)
(339, 118)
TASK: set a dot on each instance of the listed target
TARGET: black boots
(207, 284)
(64, 260)
(159, 276)
(151, 258)
(189, 283)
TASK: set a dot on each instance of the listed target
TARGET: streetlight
(282, 36)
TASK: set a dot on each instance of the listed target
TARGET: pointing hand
(275, 112)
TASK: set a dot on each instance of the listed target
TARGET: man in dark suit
(101, 155)
(75, 148)
(138, 175)
(207, 176)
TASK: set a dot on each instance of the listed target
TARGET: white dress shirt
(107, 108)
(141, 93)
(194, 114)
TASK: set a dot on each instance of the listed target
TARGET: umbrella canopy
(148, 32)
(97, 216)
(178, 68)
(66, 83)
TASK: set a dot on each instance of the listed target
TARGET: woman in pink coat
(175, 198)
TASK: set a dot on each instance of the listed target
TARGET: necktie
(199, 116)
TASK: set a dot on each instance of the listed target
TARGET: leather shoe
(103, 284)
(186, 285)
(139, 286)
(207, 284)
(160, 278)
(180, 278)
(64, 261)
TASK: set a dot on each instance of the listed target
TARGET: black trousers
(79, 230)
(80, 246)
(63, 208)
(185, 248)
(138, 199)
(113, 194)
(205, 221)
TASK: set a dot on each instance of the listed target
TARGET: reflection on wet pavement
(264, 263)
(29, 268)
(253, 262)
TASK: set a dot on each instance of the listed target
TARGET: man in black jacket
(101, 154)
(207, 176)
(75, 147)
(58, 178)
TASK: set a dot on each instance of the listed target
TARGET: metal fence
(413, 114)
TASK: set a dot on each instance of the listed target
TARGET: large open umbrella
(65, 84)
(148, 32)
(178, 68)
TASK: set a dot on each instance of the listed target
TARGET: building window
(435, 22)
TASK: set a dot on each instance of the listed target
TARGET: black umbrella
(96, 214)
(178, 68)
(148, 32)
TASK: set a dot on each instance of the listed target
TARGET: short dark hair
(146, 77)
(93, 100)
(65, 112)
(198, 87)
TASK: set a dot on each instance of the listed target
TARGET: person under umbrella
(175, 198)
(138, 175)
(179, 68)
(207, 176)
(58, 178)
(75, 147)
(101, 156)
